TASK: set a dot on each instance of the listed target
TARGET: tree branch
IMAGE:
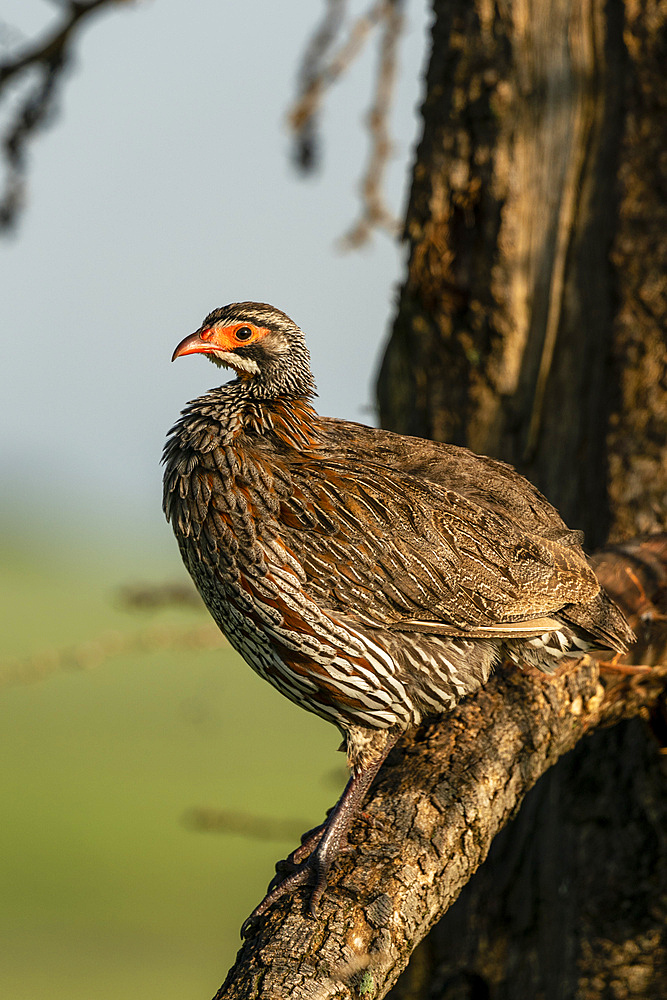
(440, 800)
(91, 653)
(50, 57)
(375, 214)
(320, 69)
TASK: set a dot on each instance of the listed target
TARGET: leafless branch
(92, 653)
(153, 596)
(303, 116)
(375, 214)
(205, 820)
(47, 59)
(322, 66)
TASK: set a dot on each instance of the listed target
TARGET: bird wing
(397, 551)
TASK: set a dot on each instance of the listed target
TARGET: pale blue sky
(165, 189)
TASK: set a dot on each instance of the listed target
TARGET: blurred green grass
(104, 890)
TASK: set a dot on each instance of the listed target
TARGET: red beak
(193, 344)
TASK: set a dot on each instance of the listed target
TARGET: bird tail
(602, 622)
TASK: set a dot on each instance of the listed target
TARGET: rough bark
(435, 809)
(563, 877)
(516, 333)
(638, 429)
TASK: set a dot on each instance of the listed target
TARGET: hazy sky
(163, 190)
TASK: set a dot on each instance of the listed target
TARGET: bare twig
(204, 820)
(153, 596)
(318, 75)
(49, 57)
(91, 654)
(303, 115)
(321, 69)
(375, 214)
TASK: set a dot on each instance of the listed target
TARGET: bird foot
(293, 881)
(311, 839)
(309, 863)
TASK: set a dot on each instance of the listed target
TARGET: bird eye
(243, 333)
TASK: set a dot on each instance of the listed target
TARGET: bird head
(261, 344)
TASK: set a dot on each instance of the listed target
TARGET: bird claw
(312, 869)
(320, 847)
(307, 863)
(298, 877)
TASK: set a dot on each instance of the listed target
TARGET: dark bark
(585, 417)
(562, 885)
(516, 333)
(638, 430)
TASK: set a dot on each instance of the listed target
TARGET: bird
(373, 578)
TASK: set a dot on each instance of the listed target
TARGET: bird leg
(310, 840)
(315, 856)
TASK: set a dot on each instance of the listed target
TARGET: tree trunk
(531, 327)
(517, 333)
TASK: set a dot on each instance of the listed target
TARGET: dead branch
(152, 596)
(375, 214)
(303, 116)
(247, 825)
(49, 57)
(92, 653)
(319, 72)
(439, 802)
(321, 68)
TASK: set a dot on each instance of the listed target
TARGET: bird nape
(373, 578)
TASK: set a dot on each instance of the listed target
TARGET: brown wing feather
(402, 550)
(492, 484)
